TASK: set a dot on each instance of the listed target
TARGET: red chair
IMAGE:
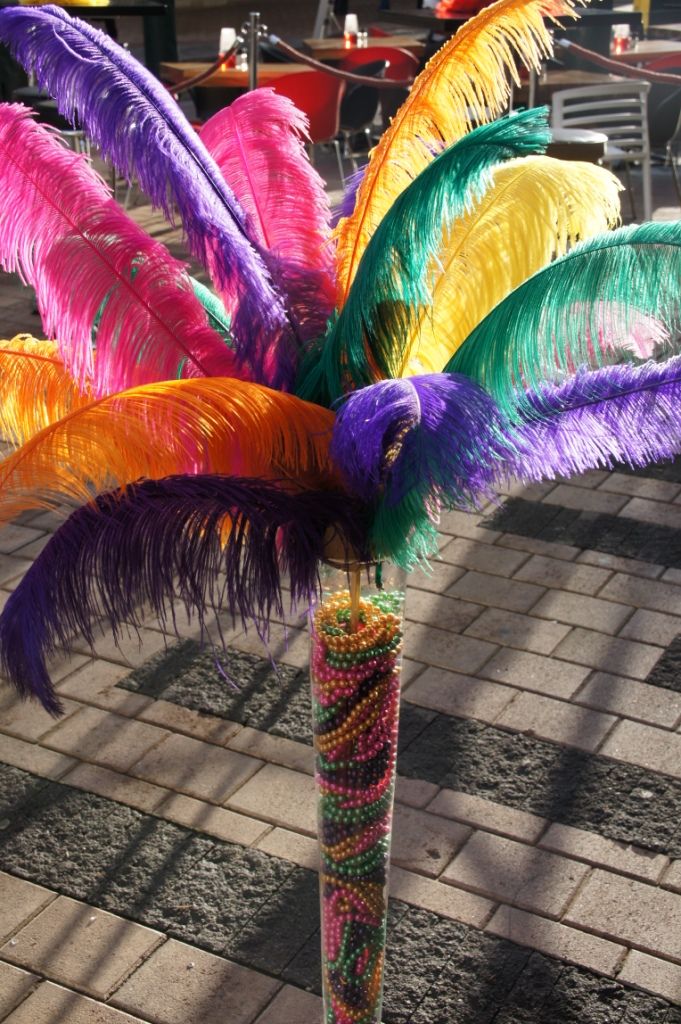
(403, 64)
(319, 96)
(402, 67)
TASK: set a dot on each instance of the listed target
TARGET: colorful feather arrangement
(459, 247)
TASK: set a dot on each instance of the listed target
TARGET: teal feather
(218, 317)
(608, 300)
(367, 340)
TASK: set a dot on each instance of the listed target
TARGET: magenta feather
(138, 126)
(258, 142)
(61, 231)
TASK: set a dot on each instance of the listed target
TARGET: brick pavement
(537, 856)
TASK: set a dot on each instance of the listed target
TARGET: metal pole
(253, 36)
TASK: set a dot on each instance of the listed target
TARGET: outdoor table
(335, 49)
(177, 72)
(552, 81)
(649, 49)
(577, 144)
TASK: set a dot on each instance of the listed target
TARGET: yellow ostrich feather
(204, 425)
(35, 389)
(466, 82)
(535, 210)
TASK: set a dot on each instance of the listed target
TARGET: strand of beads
(355, 697)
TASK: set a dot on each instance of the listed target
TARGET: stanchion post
(253, 37)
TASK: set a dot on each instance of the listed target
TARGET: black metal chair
(359, 107)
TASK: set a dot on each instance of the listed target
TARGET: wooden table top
(552, 81)
(648, 49)
(335, 49)
(231, 78)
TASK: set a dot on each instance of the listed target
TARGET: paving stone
(52, 1003)
(131, 649)
(542, 548)
(523, 631)
(179, 983)
(629, 911)
(293, 1006)
(667, 672)
(630, 699)
(640, 486)
(653, 594)
(92, 680)
(621, 801)
(483, 588)
(34, 758)
(586, 647)
(414, 792)
(485, 814)
(483, 557)
(286, 646)
(533, 672)
(439, 648)
(14, 985)
(557, 721)
(651, 512)
(273, 749)
(554, 572)
(523, 876)
(13, 537)
(104, 738)
(652, 627)
(444, 612)
(569, 496)
(20, 900)
(291, 846)
(178, 719)
(12, 569)
(437, 578)
(599, 532)
(557, 940)
(582, 610)
(595, 849)
(196, 768)
(630, 566)
(94, 951)
(455, 694)
(645, 745)
(215, 821)
(27, 720)
(444, 900)
(281, 797)
(423, 842)
(253, 694)
(122, 788)
(652, 974)
(464, 524)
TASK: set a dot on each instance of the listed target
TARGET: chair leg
(339, 158)
(647, 190)
(630, 190)
(675, 173)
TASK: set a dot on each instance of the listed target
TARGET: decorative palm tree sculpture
(475, 316)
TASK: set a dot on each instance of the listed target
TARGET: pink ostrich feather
(95, 270)
(258, 142)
